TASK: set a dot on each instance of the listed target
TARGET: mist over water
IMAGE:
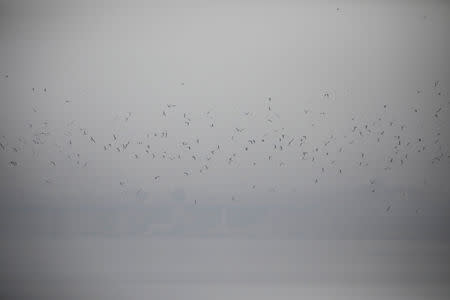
(224, 150)
(138, 267)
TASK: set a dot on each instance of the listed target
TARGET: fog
(139, 137)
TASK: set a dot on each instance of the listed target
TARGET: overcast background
(307, 149)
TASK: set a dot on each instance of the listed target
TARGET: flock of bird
(402, 147)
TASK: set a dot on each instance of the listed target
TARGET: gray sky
(112, 69)
(331, 176)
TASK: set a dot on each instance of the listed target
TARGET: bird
(13, 163)
(436, 113)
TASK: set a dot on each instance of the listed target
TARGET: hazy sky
(72, 70)
(224, 149)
